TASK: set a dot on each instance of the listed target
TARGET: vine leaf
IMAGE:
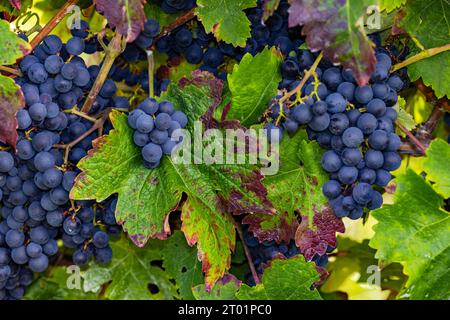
(253, 83)
(415, 231)
(350, 270)
(297, 187)
(437, 167)
(224, 289)
(11, 97)
(127, 16)
(403, 116)
(336, 28)
(12, 47)
(180, 261)
(130, 273)
(269, 7)
(391, 5)
(214, 235)
(315, 239)
(53, 286)
(146, 197)
(16, 4)
(11, 100)
(226, 19)
(428, 23)
(289, 279)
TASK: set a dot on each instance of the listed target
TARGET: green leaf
(352, 267)
(224, 289)
(226, 19)
(428, 23)
(437, 166)
(12, 47)
(11, 100)
(289, 279)
(182, 263)
(296, 186)
(415, 231)
(337, 29)
(54, 287)
(146, 197)
(403, 116)
(253, 84)
(390, 5)
(131, 275)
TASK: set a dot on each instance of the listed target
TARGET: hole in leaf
(153, 288)
(157, 263)
(183, 270)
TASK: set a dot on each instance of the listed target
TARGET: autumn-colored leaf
(127, 16)
(335, 27)
(11, 100)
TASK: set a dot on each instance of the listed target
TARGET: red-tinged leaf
(314, 238)
(16, 4)
(281, 227)
(296, 187)
(269, 8)
(11, 100)
(214, 234)
(127, 16)
(335, 27)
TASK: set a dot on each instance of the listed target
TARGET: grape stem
(308, 73)
(83, 115)
(151, 70)
(411, 137)
(52, 23)
(246, 251)
(114, 49)
(178, 22)
(420, 56)
(98, 125)
(10, 70)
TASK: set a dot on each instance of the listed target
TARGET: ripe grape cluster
(354, 123)
(35, 180)
(154, 124)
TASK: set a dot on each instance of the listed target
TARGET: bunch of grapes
(154, 124)
(354, 123)
(35, 180)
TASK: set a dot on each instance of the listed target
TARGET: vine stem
(151, 70)
(246, 251)
(420, 56)
(114, 49)
(10, 70)
(413, 139)
(52, 23)
(178, 22)
(98, 125)
(308, 73)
